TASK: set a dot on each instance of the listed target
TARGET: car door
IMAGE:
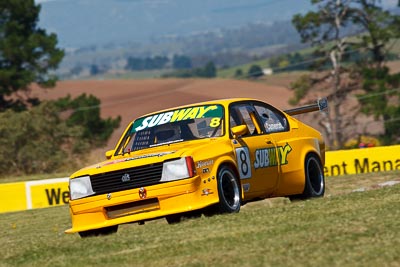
(256, 153)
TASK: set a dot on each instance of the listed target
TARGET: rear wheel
(102, 231)
(314, 179)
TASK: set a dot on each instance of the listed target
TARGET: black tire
(97, 232)
(228, 191)
(173, 219)
(177, 218)
(314, 179)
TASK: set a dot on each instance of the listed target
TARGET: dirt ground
(132, 98)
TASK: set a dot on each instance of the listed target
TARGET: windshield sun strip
(212, 112)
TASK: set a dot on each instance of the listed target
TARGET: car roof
(224, 102)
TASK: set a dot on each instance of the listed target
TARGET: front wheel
(177, 218)
(174, 218)
(228, 191)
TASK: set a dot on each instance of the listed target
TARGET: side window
(244, 114)
(273, 120)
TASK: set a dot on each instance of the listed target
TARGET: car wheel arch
(320, 173)
(311, 188)
(233, 167)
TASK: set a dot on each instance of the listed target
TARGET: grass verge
(345, 228)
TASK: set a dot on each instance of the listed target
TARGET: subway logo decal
(178, 115)
(267, 157)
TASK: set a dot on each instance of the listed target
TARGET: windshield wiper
(167, 143)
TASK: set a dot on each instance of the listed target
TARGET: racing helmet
(167, 132)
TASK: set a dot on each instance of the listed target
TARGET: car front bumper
(141, 204)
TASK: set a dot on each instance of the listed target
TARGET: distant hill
(226, 47)
(81, 23)
(101, 35)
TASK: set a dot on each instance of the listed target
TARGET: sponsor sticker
(362, 160)
(177, 115)
(204, 163)
(267, 157)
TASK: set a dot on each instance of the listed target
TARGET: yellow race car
(209, 157)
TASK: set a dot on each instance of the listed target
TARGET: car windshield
(173, 126)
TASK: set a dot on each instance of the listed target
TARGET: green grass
(230, 72)
(344, 228)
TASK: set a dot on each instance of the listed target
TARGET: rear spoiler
(322, 105)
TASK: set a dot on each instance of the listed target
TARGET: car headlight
(178, 169)
(80, 187)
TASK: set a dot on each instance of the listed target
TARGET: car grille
(126, 179)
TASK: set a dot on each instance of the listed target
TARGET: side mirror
(110, 153)
(239, 130)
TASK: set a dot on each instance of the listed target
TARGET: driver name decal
(267, 157)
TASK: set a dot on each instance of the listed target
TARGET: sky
(386, 3)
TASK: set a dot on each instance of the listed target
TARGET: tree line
(158, 62)
(365, 78)
(40, 136)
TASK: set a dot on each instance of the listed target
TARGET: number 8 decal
(243, 162)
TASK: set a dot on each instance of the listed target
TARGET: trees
(327, 29)
(85, 112)
(181, 62)
(255, 71)
(34, 137)
(148, 63)
(37, 140)
(208, 71)
(381, 97)
(238, 73)
(290, 62)
(27, 53)
(319, 27)
(52, 135)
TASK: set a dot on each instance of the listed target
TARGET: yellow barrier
(12, 197)
(54, 192)
(33, 194)
(363, 160)
(46, 193)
